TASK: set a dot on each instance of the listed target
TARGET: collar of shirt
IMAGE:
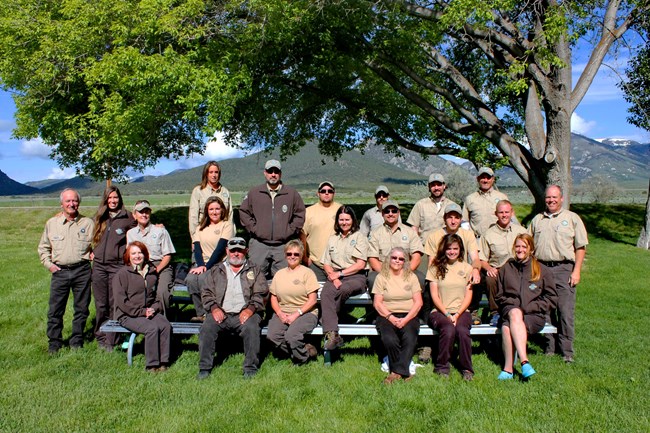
(230, 270)
(488, 192)
(145, 231)
(552, 215)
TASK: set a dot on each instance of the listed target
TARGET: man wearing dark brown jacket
(235, 292)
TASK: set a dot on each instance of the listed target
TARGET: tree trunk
(644, 237)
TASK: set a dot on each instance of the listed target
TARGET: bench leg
(129, 351)
(327, 358)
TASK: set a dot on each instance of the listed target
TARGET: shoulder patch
(533, 286)
(250, 275)
(285, 208)
(353, 242)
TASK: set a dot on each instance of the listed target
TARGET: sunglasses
(326, 191)
(399, 259)
(390, 210)
(381, 195)
(293, 254)
(241, 243)
(273, 171)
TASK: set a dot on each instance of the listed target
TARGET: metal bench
(357, 330)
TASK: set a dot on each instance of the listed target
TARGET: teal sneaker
(527, 370)
(504, 375)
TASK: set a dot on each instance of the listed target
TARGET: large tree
(486, 80)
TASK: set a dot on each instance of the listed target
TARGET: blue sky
(601, 114)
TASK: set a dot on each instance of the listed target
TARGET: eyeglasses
(399, 259)
(381, 195)
(273, 171)
(326, 191)
(237, 242)
(390, 210)
(293, 254)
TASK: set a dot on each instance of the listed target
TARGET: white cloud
(580, 125)
(65, 173)
(35, 148)
(216, 149)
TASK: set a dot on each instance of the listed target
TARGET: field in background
(89, 390)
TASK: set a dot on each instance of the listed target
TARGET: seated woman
(136, 307)
(344, 262)
(209, 240)
(451, 293)
(398, 299)
(525, 294)
(293, 299)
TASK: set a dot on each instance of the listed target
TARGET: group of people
(428, 270)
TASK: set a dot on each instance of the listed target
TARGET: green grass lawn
(89, 390)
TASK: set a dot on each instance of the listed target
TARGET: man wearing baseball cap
(427, 214)
(234, 294)
(160, 247)
(373, 217)
(273, 213)
(319, 226)
(480, 206)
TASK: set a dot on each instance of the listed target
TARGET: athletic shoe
(527, 370)
(311, 350)
(504, 375)
(494, 320)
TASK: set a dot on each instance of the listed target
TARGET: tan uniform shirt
(66, 242)
(383, 239)
(343, 252)
(397, 292)
(479, 208)
(155, 238)
(319, 226)
(292, 288)
(467, 236)
(428, 216)
(452, 287)
(209, 237)
(497, 244)
(197, 203)
(371, 219)
(557, 236)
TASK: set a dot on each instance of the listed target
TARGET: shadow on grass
(615, 223)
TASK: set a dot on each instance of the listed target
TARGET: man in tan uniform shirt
(319, 226)
(64, 250)
(479, 206)
(496, 249)
(561, 244)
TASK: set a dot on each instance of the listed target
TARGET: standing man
(273, 214)
(428, 213)
(479, 206)
(496, 249)
(319, 226)
(373, 218)
(561, 244)
(64, 250)
(235, 292)
(393, 233)
(160, 247)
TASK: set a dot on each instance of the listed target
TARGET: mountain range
(624, 162)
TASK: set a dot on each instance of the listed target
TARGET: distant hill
(624, 162)
(9, 186)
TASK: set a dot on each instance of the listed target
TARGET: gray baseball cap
(326, 182)
(272, 163)
(436, 177)
(237, 243)
(485, 170)
(381, 188)
(390, 203)
(453, 207)
(141, 205)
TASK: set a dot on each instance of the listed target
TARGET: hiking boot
(476, 320)
(332, 341)
(391, 378)
(424, 354)
(468, 376)
(312, 352)
(568, 359)
(203, 374)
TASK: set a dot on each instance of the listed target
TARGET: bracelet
(300, 312)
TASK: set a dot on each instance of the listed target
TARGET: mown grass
(89, 390)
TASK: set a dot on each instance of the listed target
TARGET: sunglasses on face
(293, 254)
(273, 171)
(381, 195)
(399, 259)
(326, 191)
(390, 210)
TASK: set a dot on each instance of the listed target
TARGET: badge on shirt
(217, 231)
(285, 209)
(154, 236)
(565, 223)
(496, 200)
(250, 275)
(405, 238)
(461, 273)
(119, 231)
(226, 195)
(83, 230)
(296, 282)
(353, 242)
(533, 286)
